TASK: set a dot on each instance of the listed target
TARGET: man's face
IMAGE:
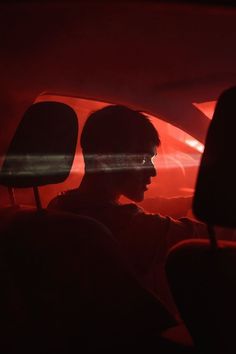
(136, 177)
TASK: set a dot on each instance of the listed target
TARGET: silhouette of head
(121, 142)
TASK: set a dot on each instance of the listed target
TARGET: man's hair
(117, 129)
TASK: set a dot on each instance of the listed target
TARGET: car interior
(171, 60)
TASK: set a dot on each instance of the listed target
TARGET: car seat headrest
(215, 194)
(43, 147)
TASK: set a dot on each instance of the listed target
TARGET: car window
(179, 154)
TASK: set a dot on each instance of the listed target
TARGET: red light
(206, 108)
(195, 144)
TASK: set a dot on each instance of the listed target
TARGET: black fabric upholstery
(203, 283)
(43, 147)
(215, 195)
(66, 288)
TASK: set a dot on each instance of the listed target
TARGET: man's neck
(98, 188)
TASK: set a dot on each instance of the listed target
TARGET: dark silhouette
(119, 145)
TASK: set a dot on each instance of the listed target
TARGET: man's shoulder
(63, 200)
(141, 220)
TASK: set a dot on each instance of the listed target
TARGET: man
(119, 145)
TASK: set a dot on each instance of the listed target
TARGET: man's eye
(144, 161)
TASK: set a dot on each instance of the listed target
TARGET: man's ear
(106, 162)
(99, 163)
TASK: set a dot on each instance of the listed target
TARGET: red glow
(206, 108)
(195, 144)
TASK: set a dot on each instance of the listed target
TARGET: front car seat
(41, 152)
(202, 273)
